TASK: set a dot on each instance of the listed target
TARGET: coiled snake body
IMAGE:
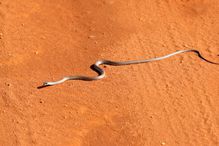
(101, 72)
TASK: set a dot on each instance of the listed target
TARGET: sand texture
(173, 102)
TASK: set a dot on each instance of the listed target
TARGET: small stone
(1, 35)
(91, 29)
(88, 12)
(8, 84)
(185, 45)
(41, 101)
(141, 19)
(91, 36)
(111, 2)
(36, 52)
(75, 30)
(163, 143)
(43, 37)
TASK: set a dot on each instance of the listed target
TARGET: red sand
(170, 102)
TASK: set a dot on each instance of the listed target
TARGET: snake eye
(45, 84)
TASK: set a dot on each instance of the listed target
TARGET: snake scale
(101, 72)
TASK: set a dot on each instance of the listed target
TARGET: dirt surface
(170, 102)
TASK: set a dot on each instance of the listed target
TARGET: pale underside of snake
(101, 72)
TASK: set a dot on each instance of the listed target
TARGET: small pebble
(36, 52)
(91, 36)
(43, 37)
(141, 19)
(41, 101)
(8, 84)
(185, 45)
(91, 29)
(1, 35)
(163, 143)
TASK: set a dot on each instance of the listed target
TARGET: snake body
(101, 72)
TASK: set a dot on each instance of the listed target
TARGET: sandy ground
(172, 102)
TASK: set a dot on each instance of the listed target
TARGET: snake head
(45, 84)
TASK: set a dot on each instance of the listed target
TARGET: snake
(101, 73)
